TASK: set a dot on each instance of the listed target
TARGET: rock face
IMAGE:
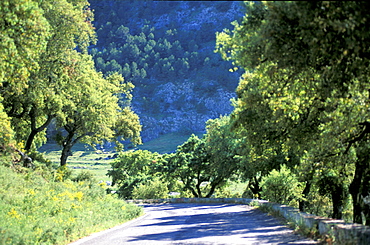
(166, 49)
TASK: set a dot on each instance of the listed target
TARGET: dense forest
(279, 90)
(166, 49)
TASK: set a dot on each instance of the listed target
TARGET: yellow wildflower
(31, 192)
(14, 214)
(79, 195)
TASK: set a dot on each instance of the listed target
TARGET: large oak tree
(307, 87)
(47, 74)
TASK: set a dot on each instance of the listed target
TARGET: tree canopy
(47, 74)
(306, 85)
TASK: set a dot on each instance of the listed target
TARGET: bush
(155, 189)
(84, 176)
(133, 168)
(63, 173)
(281, 187)
(39, 157)
(37, 210)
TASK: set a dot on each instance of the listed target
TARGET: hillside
(166, 49)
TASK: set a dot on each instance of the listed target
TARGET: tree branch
(360, 137)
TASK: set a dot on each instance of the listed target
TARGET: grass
(85, 158)
(166, 143)
(36, 208)
(232, 189)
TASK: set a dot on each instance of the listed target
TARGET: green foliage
(226, 192)
(84, 175)
(203, 165)
(39, 157)
(6, 134)
(222, 147)
(24, 31)
(39, 101)
(306, 93)
(36, 210)
(46, 52)
(92, 113)
(63, 173)
(190, 165)
(154, 189)
(192, 169)
(133, 168)
(281, 187)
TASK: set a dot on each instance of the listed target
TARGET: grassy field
(166, 143)
(85, 158)
(98, 162)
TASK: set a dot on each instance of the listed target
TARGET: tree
(308, 64)
(92, 113)
(133, 168)
(24, 32)
(190, 165)
(41, 98)
(208, 161)
(222, 147)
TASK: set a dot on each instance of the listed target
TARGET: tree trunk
(69, 142)
(214, 184)
(359, 188)
(193, 191)
(199, 182)
(303, 203)
(366, 196)
(187, 186)
(254, 186)
(30, 139)
(27, 161)
(67, 147)
(211, 191)
(35, 130)
(199, 191)
(66, 152)
(338, 197)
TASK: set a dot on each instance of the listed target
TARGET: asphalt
(201, 224)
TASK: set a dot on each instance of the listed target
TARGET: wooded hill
(166, 49)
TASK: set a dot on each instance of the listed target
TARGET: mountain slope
(166, 49)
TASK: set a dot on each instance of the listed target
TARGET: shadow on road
(250, 224)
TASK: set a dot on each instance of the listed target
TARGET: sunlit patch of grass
(84, 158)
(166, 143)
(35, 209)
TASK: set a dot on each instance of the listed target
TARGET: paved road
(198, 224)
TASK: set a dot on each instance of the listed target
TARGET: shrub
(281, 187)
(133, 168)
(84, 176)
(155, 189)
(39, 157)
(63, 173)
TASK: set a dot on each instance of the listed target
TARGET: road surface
(191, 223)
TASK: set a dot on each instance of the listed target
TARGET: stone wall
(341, 232)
